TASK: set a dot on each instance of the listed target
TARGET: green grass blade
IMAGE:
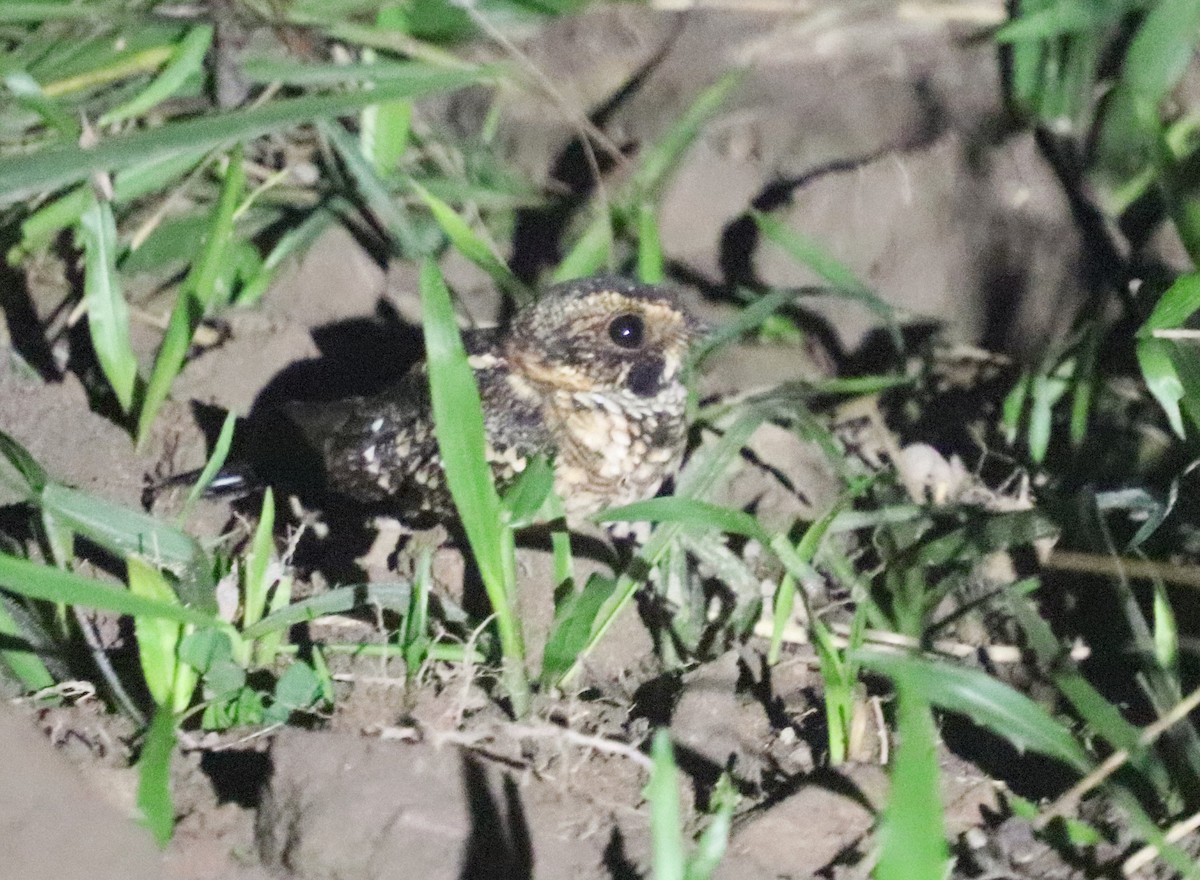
(40, 227)
(458, 425)
(157, 638)
(1162, 49)
(215, 462)
(27, 175)
(119, 529)
(154, 777)
(912, 843)
(651, 269)
(394, 597)
(573, 621)
(592, 252)
(666, 822)
(845, 283)
(711, 846)
(295, 241)
(187, 60)
(657, 163)
(472, 246)
(108, 315)
(28, 470)
(985, 700)
(196, 296)
(688, 512)
(26, 665)
(54, 585)
(392, 214)
(262, 548)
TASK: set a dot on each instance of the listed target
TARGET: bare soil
(879, 131)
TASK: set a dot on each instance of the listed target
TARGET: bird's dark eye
(627, 331)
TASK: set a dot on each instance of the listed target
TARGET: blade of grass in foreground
(108, 316)
(24, 176)
(54, 585)
(458, 424)
(154, 776)
(195, 296)
(912, 840)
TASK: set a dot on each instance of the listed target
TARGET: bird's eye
(627, 331)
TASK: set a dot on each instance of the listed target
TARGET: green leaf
(590, 253)
(912, 843)
(710, 848)
(120, 529)
(40, 227)
(458, 425)
(157, 638)
(187, 60)
(986, 701)
(666, 823)
(845, 283)
(23, 661)
(256, 583)
(1158, 369)
(688, 512)
(526, 497)
(54, 585)
(1161, 49)
(1180, 301)
(394, 597)
(298, 687)
(196, 296)
(650, 255)
(392, 214)
(471, 245)
(108, 316)
(656, 164)
(215, 462)
(573, 621)
(27, 175)
(154, 777)
(27, 468)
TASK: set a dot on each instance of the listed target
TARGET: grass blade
(649, 254)
(394, 597)
(215, 462)
(54, 585)
(458, 425)
(472, 246)
(808, 253)
(985, 700)
(666, 823)
(157, 638)
(25, 176)
(196, 296)
(187, 60)
(108, 315)
(154, 777)
(912, 840)
(392, 215)
(688, 512)
(23, 662)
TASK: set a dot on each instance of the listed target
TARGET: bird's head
(603, 335)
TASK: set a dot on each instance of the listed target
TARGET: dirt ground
(877, 129)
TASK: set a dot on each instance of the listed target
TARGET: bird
(589, 375)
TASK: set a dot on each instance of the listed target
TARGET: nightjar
(589, 375)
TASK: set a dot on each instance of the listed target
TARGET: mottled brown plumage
(589, 375)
